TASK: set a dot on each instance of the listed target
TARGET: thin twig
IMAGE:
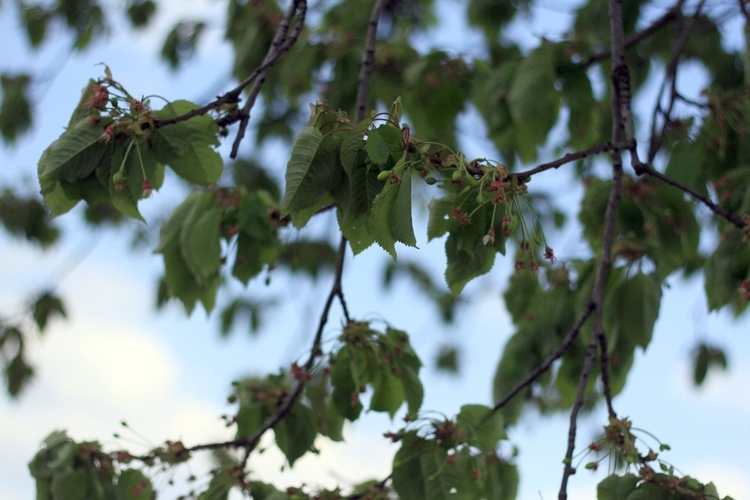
(621, 129)
(634, 38)
(555, 355)
(280, 45)
(568, 158)
(233, 95)
(577, 404)
(671, 77)
(249, 443)
(729, 216)
(368, 57)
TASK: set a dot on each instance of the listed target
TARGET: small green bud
(385, 174)
(430, 180)
(480, 198)
(457, 175)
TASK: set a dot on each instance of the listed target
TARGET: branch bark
(278, 47)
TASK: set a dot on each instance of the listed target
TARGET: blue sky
(115, 359)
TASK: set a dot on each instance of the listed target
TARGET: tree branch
(250, 442)
(554, 356)
(634, 38)
(738, 222)
(233, 95)
(279, 46)
(568, 158)
(365, 69)
(671, 77)
(622, 126)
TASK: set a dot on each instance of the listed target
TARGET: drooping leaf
(484, 426)
(75, 155)
(463, 266)
(390, 220)
(15, 109)
(408, 479)
(296, 433)
(377, 149)
(351, 144)
(134, 485)
(616, 487)
(187, 146)
(46, 307)
(313, 169)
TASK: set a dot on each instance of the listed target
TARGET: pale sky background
(168, 376)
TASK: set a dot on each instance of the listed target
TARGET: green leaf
(725, 271)
(199, 240)
(45, 307)
(439, 222)
(388, 392)
(140, 12)
(179, 276)
(408, 480)
(616, 487)
(15, 110)
(377, 149)
(634, 308)
(413, 390)
(351, 145)
(295, 433)
(533, 101)
(187, 146)
(221, 483)
(463, 266)
(312, 171)
(390, 220)
(134, 485)
(35, 20)
(345, 390)
(73, 485)
(437, 483)
(74, 156)
(485, 426)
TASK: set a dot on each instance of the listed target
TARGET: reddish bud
(109, 132)
(146, 188)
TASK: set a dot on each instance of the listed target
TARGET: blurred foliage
(536, 99)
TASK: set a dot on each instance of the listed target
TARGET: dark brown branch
(622, 128)
(577, 404)
(634, 38)
(670, 77)
(555, 355)
(738, 222)
(250, 442)
(233, 95)
(568, 158)
(368, 57)
(279, 46)
(288, 402)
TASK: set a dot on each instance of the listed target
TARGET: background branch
(279, 46)
(669, 16)
(738, 222)
(556, 354)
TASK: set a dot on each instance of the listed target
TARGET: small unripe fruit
(385, 174)
(430, 180)
(118, 178)
(457, 175)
